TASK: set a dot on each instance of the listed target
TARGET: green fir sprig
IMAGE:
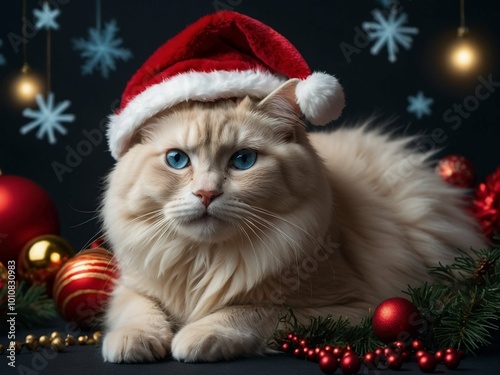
(462, 308)
(32, 306)
(321, 331)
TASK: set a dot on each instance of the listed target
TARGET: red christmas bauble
(427, 362)
(350, 364)
(486, 204)
(396, 319)
(456, 170)
(26, 212)
(328, 363)
(83, 286)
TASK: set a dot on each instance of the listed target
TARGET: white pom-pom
(320, 98)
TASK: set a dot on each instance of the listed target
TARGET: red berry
(286, 347)
(328, 348)
(349, 352)
(427, 362)
(417, 345)
(328, 363)
(394, 361)
(350, 364)
(295, 339)
(388, 351)
(303, 343)
(322, 353)
(311, 355)
(370, 360)
(439, 355)
(298, 353)
(400, 345)
(451, 360)
(317, 349)
(450, 350)
(305, 351)
(420, 353)
(337, 351)
(379, 352)
(290, 336)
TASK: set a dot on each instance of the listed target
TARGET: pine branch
(329, 331)
(462, 310)
(32, 306)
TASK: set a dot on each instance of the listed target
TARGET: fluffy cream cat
(223, 214)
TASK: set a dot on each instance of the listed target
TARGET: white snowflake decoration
(48, 118)
(2, 57)
(419, 105)
(390, 32)
(102, 49)
(46, 17)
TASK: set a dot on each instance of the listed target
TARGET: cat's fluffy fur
(326, 223)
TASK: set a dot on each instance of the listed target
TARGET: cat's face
(216, 171)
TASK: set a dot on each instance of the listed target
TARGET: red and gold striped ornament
(83, 285)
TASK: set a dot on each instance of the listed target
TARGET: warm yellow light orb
(463, 57)
(26, 86)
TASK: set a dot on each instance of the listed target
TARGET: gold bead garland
(55, 341)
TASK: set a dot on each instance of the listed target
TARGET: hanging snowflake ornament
(101, 49)
(2, 57)
(45, 18)
(48, 119)
(389, 32)
(419, 105)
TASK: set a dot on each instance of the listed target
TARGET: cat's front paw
(136, 345)
(208, 343)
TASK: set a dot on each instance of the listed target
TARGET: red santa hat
(222, 55)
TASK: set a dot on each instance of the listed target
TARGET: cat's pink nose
(207, 196)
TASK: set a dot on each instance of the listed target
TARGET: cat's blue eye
(243, 159)
(177, 159)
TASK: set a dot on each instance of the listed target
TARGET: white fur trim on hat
(320, 98)
(196, 86)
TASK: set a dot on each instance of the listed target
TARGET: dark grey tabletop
(86, 360)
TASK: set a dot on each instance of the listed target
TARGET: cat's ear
(282, 101)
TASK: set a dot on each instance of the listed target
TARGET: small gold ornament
(32, 345)
(41, 258)
(57, 344)
(90, 341)
(70, 340)
(44, 340)
(82, 340)
(97, 335)
(54, 335)
(30, 338)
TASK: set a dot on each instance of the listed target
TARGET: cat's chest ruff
(200, 281)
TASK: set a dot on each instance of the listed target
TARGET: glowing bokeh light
(463, 57)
